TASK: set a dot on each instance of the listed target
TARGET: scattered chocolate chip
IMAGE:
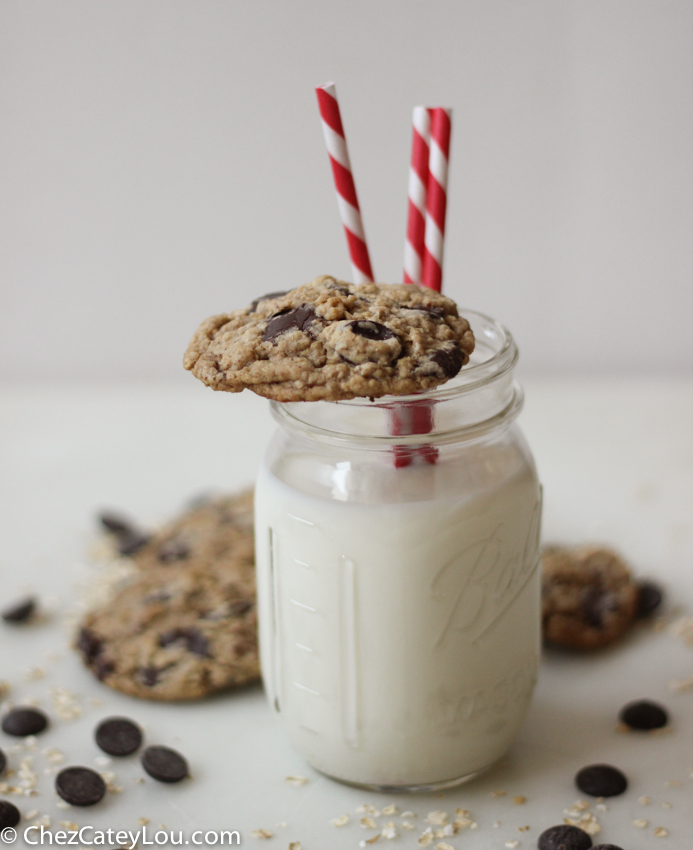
(164, 764)
(9, 815)
(129, 543)
(649, 598)
(643, 715)
(20, 612)
(3, 761)
(268, 297)
(192, 639)
(80, 786)
(450, 360)
(601, 780)
(118, 736)
(174, 550)
(564, 837)
(370, 330)
(299, 318)
(149, 676)
(21, 722)
(116, 524)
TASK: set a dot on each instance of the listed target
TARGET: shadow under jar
(398, 583)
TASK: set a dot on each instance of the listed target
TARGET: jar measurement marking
(300, 519)
(349, 683)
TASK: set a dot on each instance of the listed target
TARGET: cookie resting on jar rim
(397, 549)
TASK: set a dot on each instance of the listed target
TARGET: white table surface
(616, 461)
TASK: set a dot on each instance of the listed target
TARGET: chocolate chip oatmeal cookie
(184, 624)
(210, 533)
(174, 633)
(589, 598)
(333, 340)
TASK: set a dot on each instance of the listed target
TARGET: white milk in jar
(399, 605)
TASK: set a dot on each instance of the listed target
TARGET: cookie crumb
(261, 833)
(143, 821)
(660, 832)
(442, 845)
(295, 845)
(666, 805)
(390, 810)
(520, 800)
(343, 820)
(297, 780)
(498, 793)
(512, 844)
(368, 822)
(641, 823)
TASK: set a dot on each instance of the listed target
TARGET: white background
(163, 161)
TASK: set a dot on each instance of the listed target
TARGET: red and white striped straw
(418, 193)
(349, 210)
(436, 201)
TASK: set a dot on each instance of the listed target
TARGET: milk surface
(400, 638)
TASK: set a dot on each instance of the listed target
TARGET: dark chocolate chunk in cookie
(3, 761)
(131, 542)
(450, 360)
(164, 764)
(174, 550)
(20, 612)
(601, 780)
(9, 815)
(21, 722)
(118, 736)
(564, 837)
(299, 318)
(80, 786)
(192, 639)
(643, 715)
(370, 330)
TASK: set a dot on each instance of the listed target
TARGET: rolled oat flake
(118, 736)
(601, 780)
(21, 722)
(164, 764)
(80, 786)
(9, 814)
(564, 837)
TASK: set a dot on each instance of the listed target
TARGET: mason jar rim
(492, 338)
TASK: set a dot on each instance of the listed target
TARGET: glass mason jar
(397, 545)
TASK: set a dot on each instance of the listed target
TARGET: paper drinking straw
(347, 201)
(436, 201)
(417, 194)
